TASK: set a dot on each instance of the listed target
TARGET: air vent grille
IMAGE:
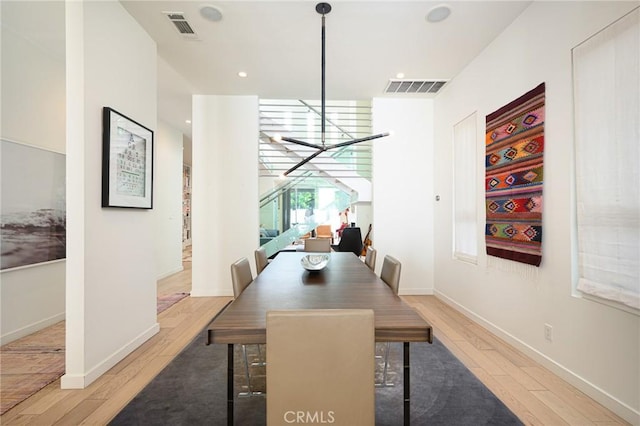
(176, 16)
(414, 86)
(181, 24)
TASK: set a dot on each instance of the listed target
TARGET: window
(607, 141)
(301, 119)
(465, 229)
(302, 203)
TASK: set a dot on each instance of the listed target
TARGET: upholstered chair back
(320, 367)
(240, 276)
(370, 258)
(261, 259)
(390, 273)
(317, 245)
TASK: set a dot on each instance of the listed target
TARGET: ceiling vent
(180, 23)
(414, 86)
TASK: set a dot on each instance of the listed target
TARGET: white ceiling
(278, 44)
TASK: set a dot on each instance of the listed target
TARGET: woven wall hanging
(513, 179)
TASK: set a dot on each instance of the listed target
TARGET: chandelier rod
(323, 9)
(323, 62)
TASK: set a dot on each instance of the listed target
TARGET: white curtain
(607, 131)
(465, 188)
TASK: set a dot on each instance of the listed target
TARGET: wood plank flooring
(534, 394)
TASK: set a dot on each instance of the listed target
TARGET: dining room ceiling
(278, 45)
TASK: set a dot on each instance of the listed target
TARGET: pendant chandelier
(323, 9)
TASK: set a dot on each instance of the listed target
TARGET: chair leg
(385, 369)
(247, 372)
(261, 361)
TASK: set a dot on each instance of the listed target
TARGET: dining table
(344, 283)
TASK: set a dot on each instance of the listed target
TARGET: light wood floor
(534, 394)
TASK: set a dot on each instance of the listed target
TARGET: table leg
(407, 386)
(230, 384)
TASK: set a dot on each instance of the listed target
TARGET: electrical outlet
(548, 332)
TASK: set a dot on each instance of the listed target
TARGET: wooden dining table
(345, 283)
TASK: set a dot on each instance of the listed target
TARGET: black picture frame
(127, 162)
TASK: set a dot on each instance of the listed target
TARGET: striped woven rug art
(34, 361)
(514, 147)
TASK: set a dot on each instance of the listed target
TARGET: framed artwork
(32, 205)
(127, 162)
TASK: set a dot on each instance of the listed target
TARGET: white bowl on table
(315, 261)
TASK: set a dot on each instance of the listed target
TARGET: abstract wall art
(32, 209)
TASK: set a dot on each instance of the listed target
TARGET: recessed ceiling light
(400, 75)
(187, 121)
(211, 13)
(242, 74)
(438, 13)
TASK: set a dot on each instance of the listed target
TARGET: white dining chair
(390, 274)
(321, 361)
(317, 245)
(261, 259)
(370, 258)
(241, 277)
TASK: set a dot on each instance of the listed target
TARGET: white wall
(362, 214)
(33, 69)
(225, 189)
(403, 189)
(33, 98)
(167, 203)
(595, 347)
(111, 271)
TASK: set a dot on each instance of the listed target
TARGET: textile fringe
(524, 271)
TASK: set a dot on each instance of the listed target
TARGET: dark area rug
(191, 390)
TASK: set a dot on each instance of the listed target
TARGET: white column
(225, 217)
(403, 198)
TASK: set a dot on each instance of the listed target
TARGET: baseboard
(415, 291)
(593, 391)
(81, 381)
(31, 328)
(225, 293)
(168, 274)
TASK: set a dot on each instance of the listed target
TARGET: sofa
(267, 235)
